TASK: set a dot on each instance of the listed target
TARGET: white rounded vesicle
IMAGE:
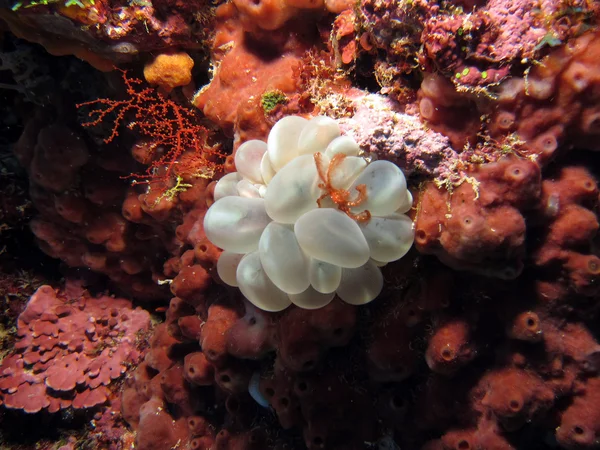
(248, 158)
(361, 285)
(317, 134)
(344, 145)
(311, 299)
(346, 171)
(406, 204)
(257, 287)
(282, 259)
(331, 236)
(227, 186)
(282, 144)
(385, 188)
(247, 189)
(235, 224)
(293, 190)
(324, 277)
(389, 238)
(227, 267)
(266, 169)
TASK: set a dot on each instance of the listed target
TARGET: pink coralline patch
(31, 398)
(443, 37)
(485, 39)
(381, 129)
(518, 27)
(499, 32)
(70, 347)
(396, 26)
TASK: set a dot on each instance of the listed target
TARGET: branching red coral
(170, 130)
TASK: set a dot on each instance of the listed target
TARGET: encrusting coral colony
(300, 224)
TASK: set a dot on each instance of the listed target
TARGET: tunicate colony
(298, 224)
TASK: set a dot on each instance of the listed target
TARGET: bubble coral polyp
(305, 218)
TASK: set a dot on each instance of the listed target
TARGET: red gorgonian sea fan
(175, 143)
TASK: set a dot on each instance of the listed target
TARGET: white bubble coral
(306, 218)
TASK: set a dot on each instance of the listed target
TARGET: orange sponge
(170, 70)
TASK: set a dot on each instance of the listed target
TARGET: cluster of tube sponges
(305, 218)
